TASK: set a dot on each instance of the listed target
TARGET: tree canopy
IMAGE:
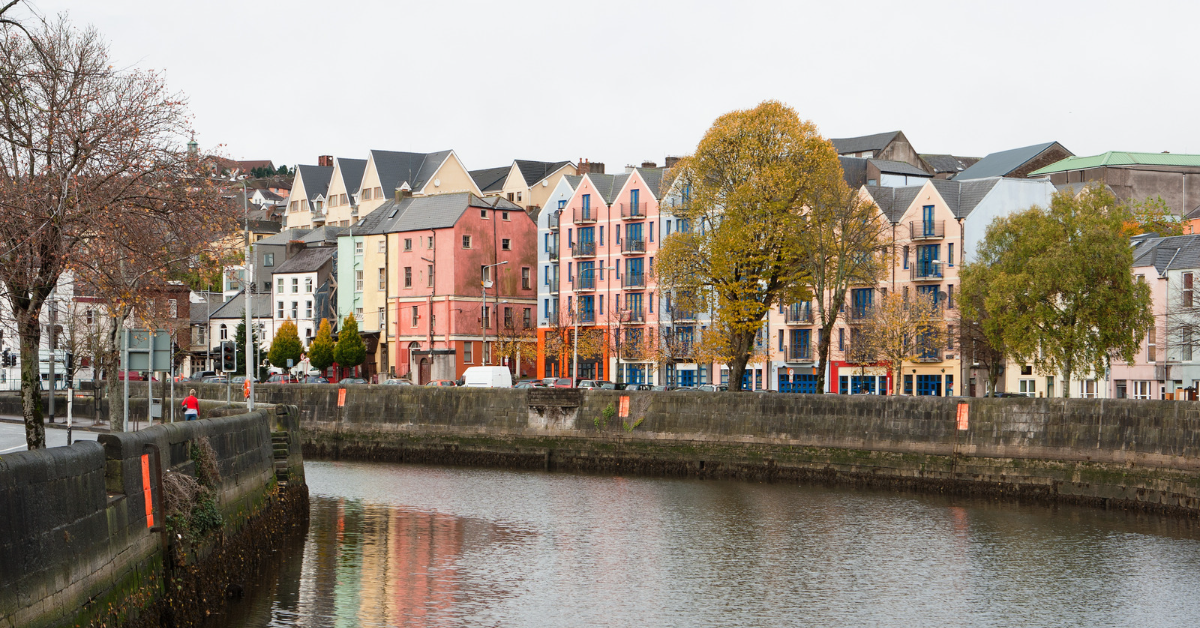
(747, 186)
(285, 346)
(350, 350)
(1059, 292)
(320, 352)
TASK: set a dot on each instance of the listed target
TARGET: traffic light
(228, 359)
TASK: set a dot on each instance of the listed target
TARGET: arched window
(224, 332)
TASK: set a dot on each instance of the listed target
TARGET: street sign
(148, 351)
(289, 363)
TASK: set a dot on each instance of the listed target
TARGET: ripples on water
(403, 545)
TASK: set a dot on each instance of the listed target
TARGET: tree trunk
(993, 378)
(31, 381)
(825, 338)
(1069, 367)
(113, 385)
(744, 343)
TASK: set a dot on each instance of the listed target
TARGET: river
(407, 545)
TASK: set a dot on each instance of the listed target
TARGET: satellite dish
(545, 183)
(437, 183)
(941, 295)
(487, 284)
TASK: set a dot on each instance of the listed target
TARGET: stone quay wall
(83, 536)
(1111, 453)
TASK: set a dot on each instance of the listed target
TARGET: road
(12, 437)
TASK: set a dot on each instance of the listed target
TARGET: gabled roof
(962, 197)
(875, 142)
(352, 173)
(235, 308)
(949, 163)
(893, 202)
(1170, 253)
(283, 237)
(1120, 158)
(209, 303)
(307, 261)
(490, 179)
(898, 167)
(322, 235)
(534, 171)
(397, 168)
(1004, 162)
(416, 213)
(316, 179)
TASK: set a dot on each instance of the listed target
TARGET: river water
(406, 545)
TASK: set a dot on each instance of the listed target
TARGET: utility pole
(53, 320)
(483, 318)
(249, 283)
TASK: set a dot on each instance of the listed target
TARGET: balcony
(553, 253)
(552, 223)
(633, 211)
(633, 280)
(925, 271)
(585, 216)
(585, 281)
(633, 246)
(552, 286)
(583, 249)
(587, 317)
(683, 316)
(858, 314)
(927, 229)
(798, 353)
(798, 315)
(633, 316)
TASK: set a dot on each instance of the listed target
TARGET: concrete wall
(76, 543)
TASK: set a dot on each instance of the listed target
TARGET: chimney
(649, 164)
(630, 168)
(589, 167)
(325, 160)
(670, 162)
(403, 192)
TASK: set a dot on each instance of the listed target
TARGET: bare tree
(902, 328)
(84, 147)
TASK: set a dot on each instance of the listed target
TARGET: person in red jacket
(191, 406)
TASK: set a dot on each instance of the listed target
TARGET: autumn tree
(1152, 215)
(350, 350)
(285, 346)
(320, 351)
(84, 147)
(900, 328)
(1059, 285)
(845, 244)
(515, 342)
(978, 330)
(750, 181)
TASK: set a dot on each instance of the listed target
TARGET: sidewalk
(60, 422)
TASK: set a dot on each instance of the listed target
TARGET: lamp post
(575, 316)
(248, 284)
(483, 286)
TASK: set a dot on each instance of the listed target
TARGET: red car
(442, 382)
(562, 382)
(134, 376)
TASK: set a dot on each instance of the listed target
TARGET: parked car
(442, 382)
(611, 386)
(200, 375)
(713, 387)
(666, 387)
(352, 380)
(487, 377)
(530, 383)
(242, 378)
(639, 387)
(562, 382)
(395, 381)
(213, 379)
(134, 376)
(591, 384)
(282, 378)
(313, 379)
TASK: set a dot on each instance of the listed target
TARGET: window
(1141, 390)
(483, 214)
(905, 256)
(508, 319)
(279, 286)
(381, 247)
(407, 244)
(358, 247)
(841, 338)
(487, 317)
(1185, 346)
(415, 316)
(1087, 389)
(90, 316)
(429, 274)
(466, 242)
(429, 242)
(408, 276)
(382, 319)
(308, 285)
(506, 244)
(308, 310)
(562, 204)
(224, 332)
(525, 278)
(651, 231)
(358, 281)
(504, 215)
(172, 308)
(295, 285)
(268, 259)
(950, 254)
(366, 194)
(382, 278)
(527, 319)
(1187, 289)
(487, 352)
(950, 296)
(279, 309)
(1151, 345)
(295, 310)
(1028, 387)
(468, 349)
(949, 336)
(358, 313)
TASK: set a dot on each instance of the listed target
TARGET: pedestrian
(191, 406)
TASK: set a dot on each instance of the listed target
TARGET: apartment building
(306, 200)
(526, 182)
(342, 198)
(303, 292)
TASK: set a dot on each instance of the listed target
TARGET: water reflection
(402, 545)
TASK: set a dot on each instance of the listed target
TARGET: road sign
(149, 351)
(289, 363)
(341, 397)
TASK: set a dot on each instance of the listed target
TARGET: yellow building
(341, 201)
(525, 182)
(305, 204)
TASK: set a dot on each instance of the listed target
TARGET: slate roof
(1194, 214)
(268, 195)
(490, 179)
(949, 163)
(352, 173)
(316, 179)
(322, 235)
(1175, 252)
(307, 261)
(198, 312)
(398, 168)
(419, 213)
(285, 236)
(235, 308)
(875, 142)
(962, 197)
(854, 171)
(898, 167)
(1004, 162)
(534, 171)
(893, 202)
(1120, 158)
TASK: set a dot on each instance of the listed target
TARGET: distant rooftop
(1119, 158)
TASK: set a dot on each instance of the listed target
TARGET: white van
(487, 377)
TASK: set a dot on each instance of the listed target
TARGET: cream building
(341, 201)
(306, 203)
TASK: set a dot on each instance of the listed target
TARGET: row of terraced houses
(440, 263)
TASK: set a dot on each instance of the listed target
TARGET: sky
(622, 82)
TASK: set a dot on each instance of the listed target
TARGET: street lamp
(575, 316)
(483, 286)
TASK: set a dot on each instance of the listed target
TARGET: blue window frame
(547, 304)
(927, 257)
(570, 275)
(634, 195)
(929, 292)
(860, 301)
(570, 240)
(927, 220)
(683, 225)
(562, 204)
(862, 384)
(587, 308)
(601, 235)
(633, 232)
(929, 385)
(601, 307)
(843, 385)
(687, 378)
(651, 234)
(949, 385)
(634, 269)
(633, 302)
(587, 234)
(950, 254)
(587, 205)
(905, 254)
(908, 384)
(587, 277)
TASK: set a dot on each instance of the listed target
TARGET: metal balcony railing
(587, 317)
(799, 353)
(585, 216)
(553, 253)
(633, 211)
(583, 249)
(798, 315)
(858, 314)
(633, 246)
(585, 281)
(633, 316)
(552, 285)
(682, 316)
(925, 271)
(633, 280)
(927, 229)
(553, 222)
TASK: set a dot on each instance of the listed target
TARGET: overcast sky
(622, 81)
